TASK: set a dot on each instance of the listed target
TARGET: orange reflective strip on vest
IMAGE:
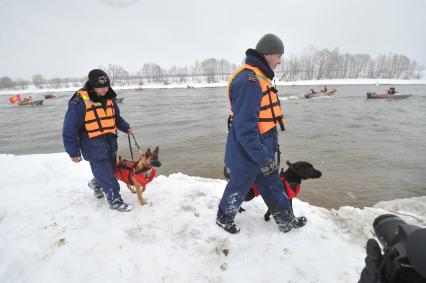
(270, 109)
(97, 120)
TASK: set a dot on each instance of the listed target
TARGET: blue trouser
(104, 173)
(271, 189)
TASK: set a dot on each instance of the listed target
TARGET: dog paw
(146, 203)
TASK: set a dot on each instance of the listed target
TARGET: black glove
(269, 168)
(370, 273)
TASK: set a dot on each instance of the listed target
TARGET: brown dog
(137, 174)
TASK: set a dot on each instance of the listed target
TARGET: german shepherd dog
(137, 174)
(291, 178)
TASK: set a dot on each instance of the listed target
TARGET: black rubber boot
(121, 206)
(286, 221)
(97, 190)
(267, 216)
(228, 225)
(302, 219)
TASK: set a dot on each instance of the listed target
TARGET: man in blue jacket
(253, 138)
(90, 129)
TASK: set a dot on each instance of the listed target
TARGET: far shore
(190, 85)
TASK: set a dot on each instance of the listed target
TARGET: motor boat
(396, 95)
(31, 102)
(49, 95)
(329, 92)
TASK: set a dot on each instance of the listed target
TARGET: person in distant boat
(312, 90)
(26, 100)
(391, 90)
(252, 141)
(324, 89)
(90, 129)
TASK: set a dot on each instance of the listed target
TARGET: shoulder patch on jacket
(252, 77)
(75, 99)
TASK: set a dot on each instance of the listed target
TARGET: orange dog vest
(292, 191)
(124, 173)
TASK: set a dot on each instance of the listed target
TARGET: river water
(368, 150)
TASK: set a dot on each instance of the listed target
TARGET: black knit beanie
(98, 78)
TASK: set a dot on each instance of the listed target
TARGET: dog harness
(270, 110)
(98, 121)
(125, 172)
(292, 189)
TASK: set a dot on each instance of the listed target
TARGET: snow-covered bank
(52, 229)
(32, 89)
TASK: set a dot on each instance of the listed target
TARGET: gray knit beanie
(270, 44)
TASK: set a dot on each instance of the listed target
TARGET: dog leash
(279, 156)
(130, 144)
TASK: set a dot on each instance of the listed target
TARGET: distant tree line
(312, 64)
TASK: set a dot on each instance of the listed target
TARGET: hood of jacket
(256, 59)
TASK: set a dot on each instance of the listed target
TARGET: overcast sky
(67, 38)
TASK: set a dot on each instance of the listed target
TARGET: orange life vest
(270, 110)
(98, 121)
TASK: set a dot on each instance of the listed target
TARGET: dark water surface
(368, 150)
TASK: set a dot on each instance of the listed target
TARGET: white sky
(67, 38)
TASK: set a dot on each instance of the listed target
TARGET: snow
(52, 229)
(34, 90)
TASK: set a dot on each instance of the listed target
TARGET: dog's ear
(288, 163)
(148, 153)
(156, 150)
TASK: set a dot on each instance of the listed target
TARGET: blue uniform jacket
(75, 138)
(246, 149)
